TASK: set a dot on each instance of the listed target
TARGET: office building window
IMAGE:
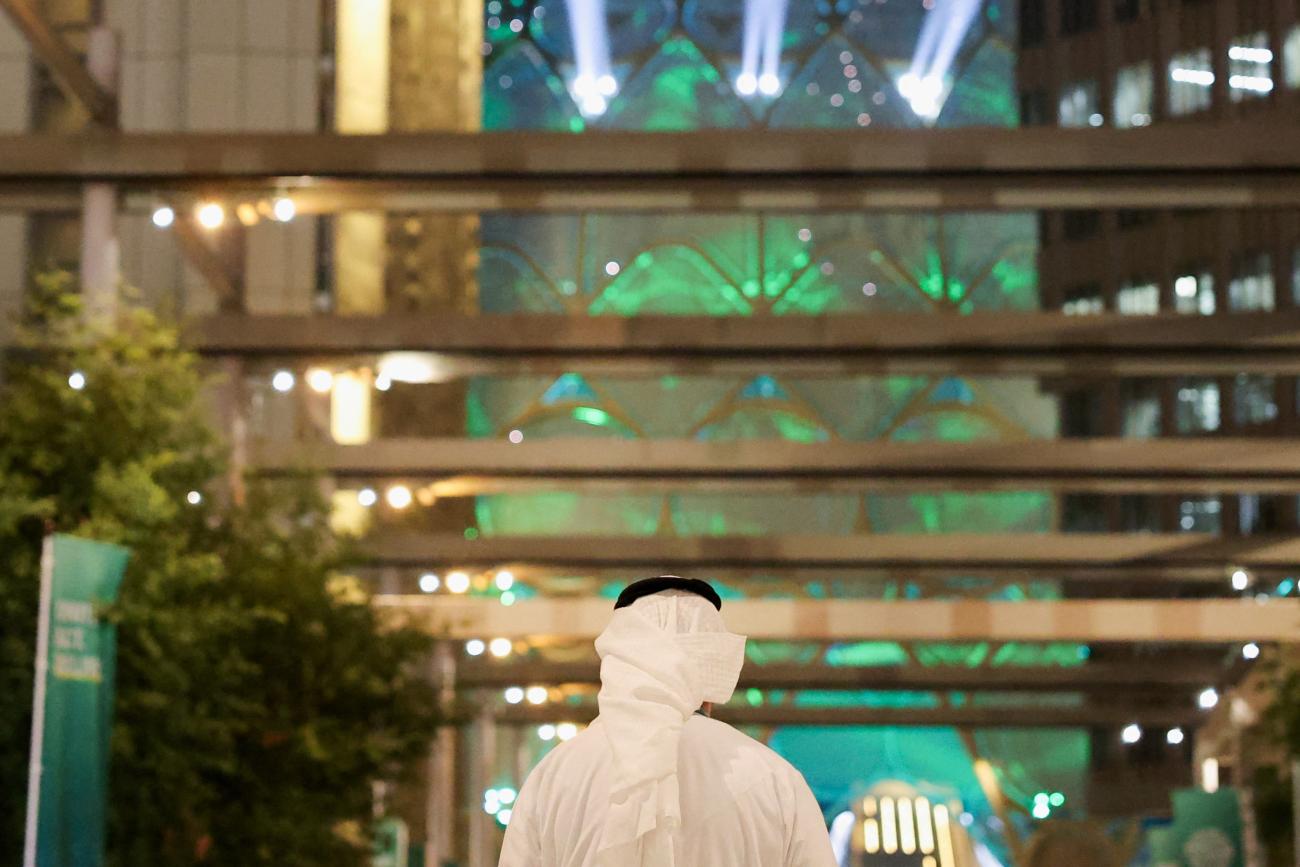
(1083, 513)
(1254, 399)
(1200, 515)
(1132, 218)
(1250, 67)
(1194, 293)
(1295, 276)
(1134, 88)
(1251, 287)
(1256, 514)
(1078, 106)
(1033, 108)
(1081, 224)
(1139, 298)
(1198, 406)
(1141, 409)
(1078, 16)
(1191, 82)
(1080, 413)
(1291, 58)
(1139, 513)
(1084, 300)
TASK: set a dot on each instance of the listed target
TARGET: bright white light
(163, 217)
(475, 647)
(516, 436)
(769, 84)
(457, 582)
(508, 598)
(414, 367)
(546, 732)
(514, 695)
(1249, 54)
(612, 268)
(922, 94)
(499, 647)
(505, 580)
(211, 215)
(594, 105)
(1185, 287)
(284, 209)
(491, 803)
(429, 583)
(1208, 698)
(1042, 810)
(1210, 775)
(283, 381)
(585, 85)
(1095, 120)
(1175, 736)
(746, 84)
(320, 380)
(1202, 77)
(76, 380)
(1132, 733)
(383, 382)
(1254, 83)
(566, 731)
(507, 795)
(193, 498)
(607, 85)
(1250, 651)
(398, 496)
(537, 694)
(367, 497)
(503, 816)
(1240, 579)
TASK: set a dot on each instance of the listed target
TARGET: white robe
(742, 805)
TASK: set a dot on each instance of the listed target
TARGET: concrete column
(481, 851)
(439, 804)
(99, 252)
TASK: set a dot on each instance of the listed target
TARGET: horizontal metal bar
(1231, 166)
(459, 467)
(1174, 556)
(1086, 716)
(1172, 676)
(1211, 621)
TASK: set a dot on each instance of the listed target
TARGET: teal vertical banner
(73, 709)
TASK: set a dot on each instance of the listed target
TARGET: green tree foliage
(255, 703)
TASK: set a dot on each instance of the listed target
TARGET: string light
(1131, 734)
(505, 580)
(284, 209)
(457, 582)
(367, 497)
(475, 647)
(283, 381)
(398, 496)
(193, 498)
(1250, 651)
(320, 380)
(211, 215)
(537, 694)
(163, 217)
(1175, 736)
(76, 380)
(566, 731)
(546, 732)
(500, 647)
(1208, 698)
(514, 695)
(429, 582)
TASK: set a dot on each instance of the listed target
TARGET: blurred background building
(852, 405)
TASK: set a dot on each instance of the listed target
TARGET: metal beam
(1087, 716)
(1159, 556)
(808, 170)
(459, 467)
(1096, 620)
(1043, 344)
(63, 63)
(1173, 676)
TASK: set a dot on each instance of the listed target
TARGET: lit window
(1253, 399)
(1138, 299)
(1191, 82)
(1201, 515)
(1291, 57)
(1078, 105)
(1083, 301)
(1250, 67)
(1198, 405)
(1141, 413)
(1194, 293)
(1133, 94)
(1251, 287)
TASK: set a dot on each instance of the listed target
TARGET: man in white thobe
(654, 781)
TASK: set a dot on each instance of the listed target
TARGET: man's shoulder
(721, 739)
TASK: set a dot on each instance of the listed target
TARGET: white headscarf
(661, 658)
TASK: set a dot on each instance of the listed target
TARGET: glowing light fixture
(1200, 77)
(1175, 736)
(429, 582)
(398, 496)
(283, 381)
(1208, 698)
(211, 215)
(1131, 734)
(163, 217)
(1240, 579)
(284, 209)
(76, 380)
(320, 380)
(458, 582)
(514, 695)
(505, 580)
(546, 732)
(537, 695)
(193, 498)
(1250, 651)
(566, 731)
(367, 497)
(498, 647)
(475, 647)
